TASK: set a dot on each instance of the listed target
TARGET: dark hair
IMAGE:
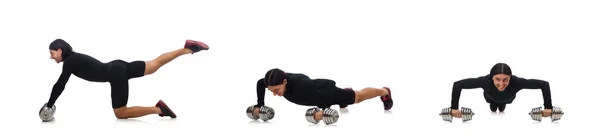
(274, 77)
(500, 68)
(63, 45)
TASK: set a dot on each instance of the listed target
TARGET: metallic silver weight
(265, 113)
(466, 113)
(557, 113)
(47, 114)
(330, 116)
(536, 114)
(250, 113)
(310, 115)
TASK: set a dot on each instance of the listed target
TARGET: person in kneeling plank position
(117, 73)
(298, 88)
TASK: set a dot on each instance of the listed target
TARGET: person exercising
(117, 73)
(500, 88)
(323, 93)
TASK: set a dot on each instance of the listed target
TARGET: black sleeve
(537, 84)
(469, 83)
(59, 86)
(260, 92)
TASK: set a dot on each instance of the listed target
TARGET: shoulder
(296, 76)
(484, 78)
(517, 78)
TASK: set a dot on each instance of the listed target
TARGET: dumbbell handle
(256, 110)
(318, 115)
(459, 113)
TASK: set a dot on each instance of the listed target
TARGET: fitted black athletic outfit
(495, 97)
(302, 90)
(116, 72)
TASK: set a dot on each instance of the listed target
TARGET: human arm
(468, 83)
(260, 93)
(537, 84)
(59, 86)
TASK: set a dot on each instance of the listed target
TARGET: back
(86, 67)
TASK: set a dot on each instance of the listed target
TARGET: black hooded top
(81, 65)
(300, 88)
(492, 94)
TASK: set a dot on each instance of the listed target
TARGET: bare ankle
(385, 92)
(157, 110)
(187, 51)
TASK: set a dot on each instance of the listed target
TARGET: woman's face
(501, 81)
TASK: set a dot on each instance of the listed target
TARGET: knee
(358, 97)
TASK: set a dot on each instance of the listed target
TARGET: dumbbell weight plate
(446, 114)
(47, 114)
(467, 114)
(330, 116)
(266, 113)
(250, 113)
(556, 114)
(310, 115)
(536, 114)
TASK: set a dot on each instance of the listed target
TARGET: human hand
(319, 115)
(456, 113)
(546, 112)
(256, 110)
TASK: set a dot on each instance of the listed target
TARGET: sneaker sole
(161, 103)
(391, 102)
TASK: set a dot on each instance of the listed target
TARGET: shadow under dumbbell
(317, 125)
(259, 122)
(344, 110)
(536, 122)
(49, 122)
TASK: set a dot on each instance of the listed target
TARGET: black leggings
(497, 106)
(120, 73)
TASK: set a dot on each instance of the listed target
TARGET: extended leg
(368, 93)
(189, 48)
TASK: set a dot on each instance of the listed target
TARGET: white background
(418, 48)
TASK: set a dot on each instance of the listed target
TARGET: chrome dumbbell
(47, 114)
(329, 115)
(265, 113)
(466, 113)
(536, 114)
